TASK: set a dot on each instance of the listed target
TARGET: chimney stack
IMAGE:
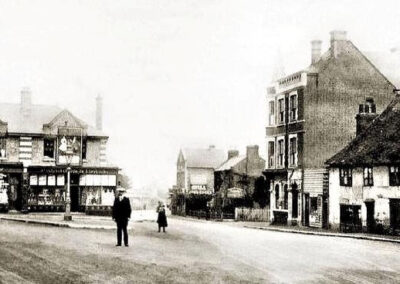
(315, 50)
(252, 151)
(232, 154)
(338, 38)
(26, 101)
(99, 113)
(366, 114)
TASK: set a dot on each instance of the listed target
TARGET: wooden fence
(251, 214)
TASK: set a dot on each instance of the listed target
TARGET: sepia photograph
(199, 141)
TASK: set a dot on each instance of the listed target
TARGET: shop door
(74, 198)
(307, 209)
(395, 214)
(370, 216)
(14, 192)
(295, 203)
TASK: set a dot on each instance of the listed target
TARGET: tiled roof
(32, 123)
(231, 163)
(203, 158)
(379, 144)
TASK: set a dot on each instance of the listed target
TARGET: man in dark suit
(121, 213)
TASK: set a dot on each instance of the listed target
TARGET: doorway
(306, 209)
(370, 216)
(325, 214)
(394, 205)
(14, 192)
(74, 198)
(295, 202)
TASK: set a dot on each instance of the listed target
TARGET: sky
(172, 74)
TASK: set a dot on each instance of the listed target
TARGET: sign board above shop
(63, 170)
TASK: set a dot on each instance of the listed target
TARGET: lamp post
(67, 215)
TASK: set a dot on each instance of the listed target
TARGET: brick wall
(331, 103)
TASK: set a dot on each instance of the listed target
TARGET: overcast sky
(172, 73)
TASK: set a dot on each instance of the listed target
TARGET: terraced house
(38, 144)
(310, 118)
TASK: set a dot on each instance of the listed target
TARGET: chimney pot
(315, 50)
(366, 114)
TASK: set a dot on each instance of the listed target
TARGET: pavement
(82, 221)
(79, 220)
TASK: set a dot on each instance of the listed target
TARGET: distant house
(364, 177)
(235, 178)
(195, 178)
(310, 118)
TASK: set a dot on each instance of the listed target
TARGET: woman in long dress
(162, 218)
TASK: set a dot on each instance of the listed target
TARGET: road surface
(190, 252)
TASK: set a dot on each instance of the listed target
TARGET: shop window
(271, 117)
(271, 153)
(3, 147)
(281, 104)
(314, 204)
(293, 107)
(350, 218)
(368, 177)
(48, 150)
(281, 151)
(394, 176)
(293, 151)
(346, 178)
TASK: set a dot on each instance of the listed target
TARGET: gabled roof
(33, 121)
(203, 158)
(231, 163)
(379, 144)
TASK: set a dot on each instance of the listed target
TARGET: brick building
(310, 118)
(195, 178)
(235, 179)
(364, 177)
(34, 140)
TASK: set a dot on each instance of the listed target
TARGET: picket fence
(251, 214)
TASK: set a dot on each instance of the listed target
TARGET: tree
(261, 193)
(124, 180)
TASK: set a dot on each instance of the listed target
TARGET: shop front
(11, 195)
(90, 188)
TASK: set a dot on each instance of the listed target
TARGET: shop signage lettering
(74, 171)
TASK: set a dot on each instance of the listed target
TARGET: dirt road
(190, 252)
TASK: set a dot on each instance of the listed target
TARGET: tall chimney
(338, 38)
(232, 154)
(315, 50)
(99, 112)
(26, 101)
(366, 114)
